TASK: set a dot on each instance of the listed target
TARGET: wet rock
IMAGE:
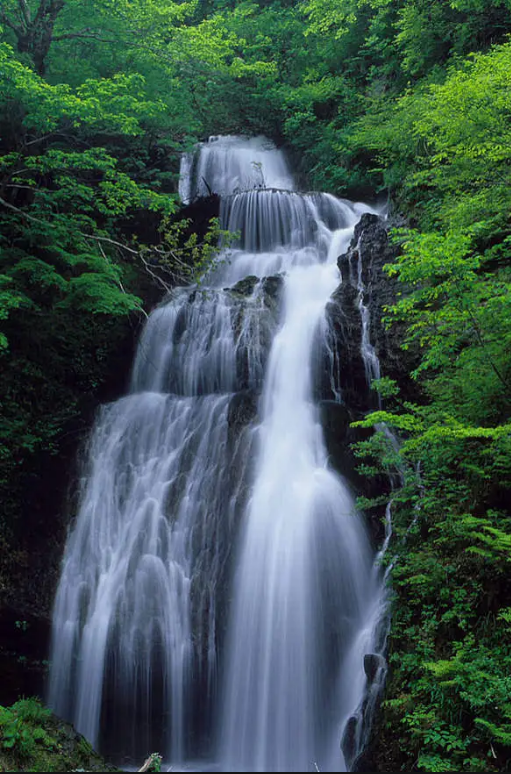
(272, 287)
(354, 740)
(345, 325)
(255, 313)
(372, 663)
(372, 248)
(349, 743)
(242, 410)
(244, 287)
(339, 436)
(335, 420)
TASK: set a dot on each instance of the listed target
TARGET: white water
(230, 164)
(218, 591)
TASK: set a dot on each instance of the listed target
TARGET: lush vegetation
(32, 739)
(408, 99)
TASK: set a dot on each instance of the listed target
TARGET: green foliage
(450, 658)
(155, 762)
(32, 739)
(22, 730)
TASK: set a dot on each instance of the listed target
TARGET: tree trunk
(35, 33)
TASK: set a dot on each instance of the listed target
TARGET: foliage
(442, 148)
(32, 739)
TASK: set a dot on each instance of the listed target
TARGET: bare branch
(159, 280)
(44, 137)
(110, 241)
(15, 185)
(21, 212)
(139, 308)
(88, 33)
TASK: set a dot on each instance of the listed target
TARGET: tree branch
(48, 9)
(88, 34)
(140, 308)
(163, 255)
(25, 12)
(21, 212)
(8, 23)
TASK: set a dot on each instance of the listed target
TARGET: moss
(33, 739)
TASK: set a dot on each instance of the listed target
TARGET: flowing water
(218, 592)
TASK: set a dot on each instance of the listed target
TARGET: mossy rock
(33, 739)
(244, 287)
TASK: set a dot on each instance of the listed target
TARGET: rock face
(363, 265)
(254, 315)
(242, 412)
(365, 289)
(345, 327)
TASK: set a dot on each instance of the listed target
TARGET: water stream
(219, 592)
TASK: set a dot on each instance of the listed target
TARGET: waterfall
(218, 592)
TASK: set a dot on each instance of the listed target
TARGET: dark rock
(254, 324)
(371, 246)
(244, 287)
(349, 743)
(354, 740)
(242, 410)
(58, 748)
(335, 420)
(24, 641)
(272, 287)
(372, 663)
(344, 321)
(342, 363)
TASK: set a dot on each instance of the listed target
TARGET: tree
(33, 28)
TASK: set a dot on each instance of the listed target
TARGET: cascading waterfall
(218, 592)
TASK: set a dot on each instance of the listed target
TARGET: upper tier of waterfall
(229, 164)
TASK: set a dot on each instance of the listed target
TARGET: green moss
(33, 739)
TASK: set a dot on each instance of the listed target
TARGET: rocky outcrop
(270, 287)
(242, 412)
(254, 314)
(345, 330)
(363, 267)
(365, 289)
(355, 318)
